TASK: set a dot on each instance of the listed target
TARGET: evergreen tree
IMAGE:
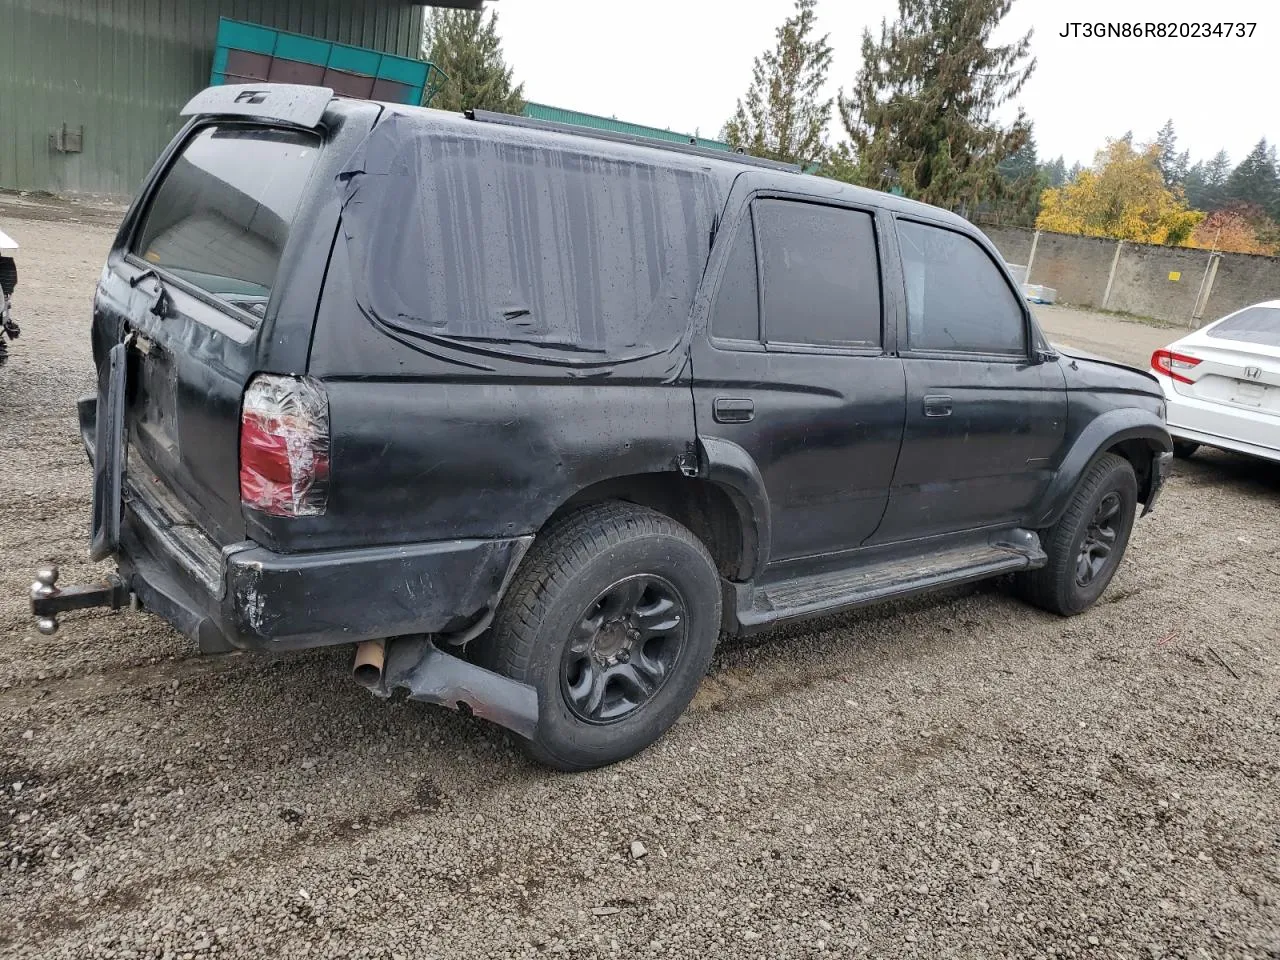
(1173, 165)
(1025, 180)
(921, 110)
(782, 116)
(1255, 181)
(465, 46)
(1194, 186)
(1074, 173)
(1055, 173)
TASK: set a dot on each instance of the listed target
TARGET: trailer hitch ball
(46, 586)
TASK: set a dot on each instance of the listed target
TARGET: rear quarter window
(521, 249)
(1259, 325)
(221, 216)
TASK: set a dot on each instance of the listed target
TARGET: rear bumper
(247, 597)
(1222, 425)
(261, 600)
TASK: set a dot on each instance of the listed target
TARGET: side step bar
(884, 579)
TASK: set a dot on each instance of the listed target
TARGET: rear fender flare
(1107, 430)
(730, 467)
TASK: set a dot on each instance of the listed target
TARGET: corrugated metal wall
(124, 68)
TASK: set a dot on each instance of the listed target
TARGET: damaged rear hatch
(187, 311)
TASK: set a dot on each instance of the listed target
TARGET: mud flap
(109, 456)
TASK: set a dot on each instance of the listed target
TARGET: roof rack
(511, 120)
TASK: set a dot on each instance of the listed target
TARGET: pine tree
(465, 46)
(782, 117)
(1256, 180)
(1194, 186)
(921, 110)
(1173, 165)
(1025, 180)
(1074, 173)
(1055, 173)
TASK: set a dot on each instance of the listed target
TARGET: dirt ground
(954, 776)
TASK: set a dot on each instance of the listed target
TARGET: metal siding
(124, 68)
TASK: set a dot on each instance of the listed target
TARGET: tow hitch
(47, 601)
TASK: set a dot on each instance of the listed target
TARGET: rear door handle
(733, 410)
(937, 405)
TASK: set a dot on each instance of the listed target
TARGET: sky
(682, 64)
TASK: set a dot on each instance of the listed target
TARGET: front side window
(821, 274)
(957, 299)
(222, 215)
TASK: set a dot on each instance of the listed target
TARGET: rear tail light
(284, 446)
(1171, 364)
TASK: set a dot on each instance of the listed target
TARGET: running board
(898, 576)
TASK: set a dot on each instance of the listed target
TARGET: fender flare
(1103, 433)
(731, 468)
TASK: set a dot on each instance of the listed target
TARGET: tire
(1058, 586)
(1183, 449)
(563, 625)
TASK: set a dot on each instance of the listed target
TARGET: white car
(1222, 384)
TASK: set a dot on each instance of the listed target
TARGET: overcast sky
(682, 64)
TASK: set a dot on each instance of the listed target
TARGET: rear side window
(957, 300)
(481, 241)
(1252, 325)
(821, 274)
(222, 214)
(736, 315)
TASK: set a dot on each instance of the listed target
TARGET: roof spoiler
(291, 103)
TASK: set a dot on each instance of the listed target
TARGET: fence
(1176, 284)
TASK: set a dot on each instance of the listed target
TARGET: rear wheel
(613, 619)
(1183, 449)
(1086, 545)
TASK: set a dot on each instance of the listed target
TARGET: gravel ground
(955, 776)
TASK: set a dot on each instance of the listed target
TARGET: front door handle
(733, 409)
(937, 405)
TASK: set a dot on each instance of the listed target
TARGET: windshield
(222, 215)
(1252, 325)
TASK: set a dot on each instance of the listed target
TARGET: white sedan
(1222, 384)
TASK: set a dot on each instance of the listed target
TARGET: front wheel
(1086, 545)
(612, 618)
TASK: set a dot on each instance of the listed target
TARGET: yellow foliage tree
(1123, 196)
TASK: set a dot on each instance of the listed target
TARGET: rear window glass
(1253, 325)
(222, 214)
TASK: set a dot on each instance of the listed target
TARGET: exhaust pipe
(370, 657)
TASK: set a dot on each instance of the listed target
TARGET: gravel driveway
(955, 776)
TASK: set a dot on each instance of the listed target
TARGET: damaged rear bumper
(246, 597)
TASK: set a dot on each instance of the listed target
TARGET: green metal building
(90, 89)
(541, 111)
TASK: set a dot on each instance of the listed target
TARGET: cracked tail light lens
(1172, 364)
(284, 446)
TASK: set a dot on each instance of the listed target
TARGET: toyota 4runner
(531, 414)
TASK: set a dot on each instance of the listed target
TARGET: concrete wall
(1014, 243)
(1240, 281)
(1078, 269)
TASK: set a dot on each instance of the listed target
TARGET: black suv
(533, 414)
